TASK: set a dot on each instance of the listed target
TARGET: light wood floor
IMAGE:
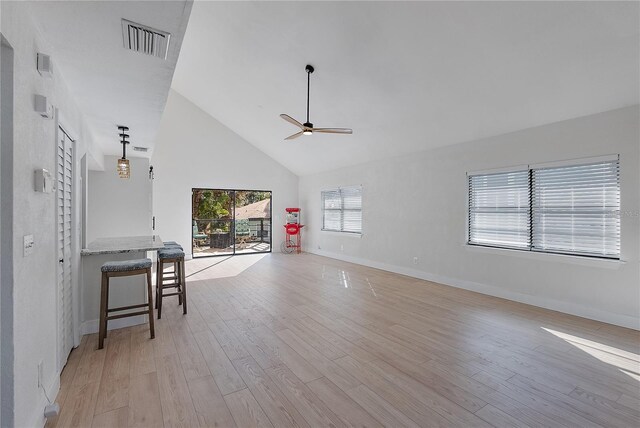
(301, 340)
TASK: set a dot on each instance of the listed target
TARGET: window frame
(531, 249)
(520, 169)
(341, 210)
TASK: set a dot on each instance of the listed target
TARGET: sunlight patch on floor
(627, 362)
(633, 375)
(220, 267)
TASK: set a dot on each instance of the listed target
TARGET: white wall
(117, 206)
(6, 222)
(415, 206)
(34, 281)
(195, 150)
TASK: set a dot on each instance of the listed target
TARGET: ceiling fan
(307, 127)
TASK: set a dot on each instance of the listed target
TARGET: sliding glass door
(212, 222)
(226, 222)
(252, 221)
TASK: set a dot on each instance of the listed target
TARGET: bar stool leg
(103, 309)
(179, 281)
(160, 281)
(157, 280)
(177, 269)
(183, 286)
(150, 298)
(106, 305)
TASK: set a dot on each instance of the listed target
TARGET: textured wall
(416, 206)
(119, 207)
(195, 150)
(34, 287)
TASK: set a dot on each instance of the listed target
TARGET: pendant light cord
(124, 142)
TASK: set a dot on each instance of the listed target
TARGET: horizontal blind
(331, 199)
(331, 210)
(576, 209)
(342, 210)
(499, 209)
(352, 209)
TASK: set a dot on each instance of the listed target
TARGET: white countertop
(124, 244)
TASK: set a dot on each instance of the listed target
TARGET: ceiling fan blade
(334, 130)
(296, 135)
(292, 120)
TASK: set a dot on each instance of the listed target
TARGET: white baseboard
(542, 302)
(91, 326)
(38, 419)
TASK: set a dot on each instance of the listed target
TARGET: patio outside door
(252, 221)
(226, 222)
(212, 222)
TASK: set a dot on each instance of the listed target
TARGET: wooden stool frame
(178, 280)
(104, 303)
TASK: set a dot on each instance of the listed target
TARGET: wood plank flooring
(305, 341)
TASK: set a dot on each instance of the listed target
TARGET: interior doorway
(65, 236)
(227, 222)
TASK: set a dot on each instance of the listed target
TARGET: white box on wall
(43, 107)
(43, 181)
(45, 67)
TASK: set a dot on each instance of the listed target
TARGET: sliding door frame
(232, 230)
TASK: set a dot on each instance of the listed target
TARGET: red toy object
(293, 239)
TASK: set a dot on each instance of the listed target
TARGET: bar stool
(123, 268)
(174, 245)
(171, 245)
(174, 256)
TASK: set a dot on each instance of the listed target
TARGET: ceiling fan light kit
(307, 127)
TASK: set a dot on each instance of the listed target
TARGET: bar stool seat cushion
(126, 265)
(179, 247)
(170, 253)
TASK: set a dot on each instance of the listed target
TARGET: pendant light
(124, 170)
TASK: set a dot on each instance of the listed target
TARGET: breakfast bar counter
(126, 244)
(125, 291)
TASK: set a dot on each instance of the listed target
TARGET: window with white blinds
(499, 209)
(576, 209)
(569, 209)
(342, 210)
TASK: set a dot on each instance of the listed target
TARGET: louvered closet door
(64, 176)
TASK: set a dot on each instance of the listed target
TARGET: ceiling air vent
(146, 40)
(140, 149)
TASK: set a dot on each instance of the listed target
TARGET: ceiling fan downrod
(309, 68)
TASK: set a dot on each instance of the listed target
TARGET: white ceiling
(405, 76)
(113, 85)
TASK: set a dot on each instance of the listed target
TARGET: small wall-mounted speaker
(45, 67)
(42, 106)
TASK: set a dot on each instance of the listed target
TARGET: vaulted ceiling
(113, 85)
(406, 76)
